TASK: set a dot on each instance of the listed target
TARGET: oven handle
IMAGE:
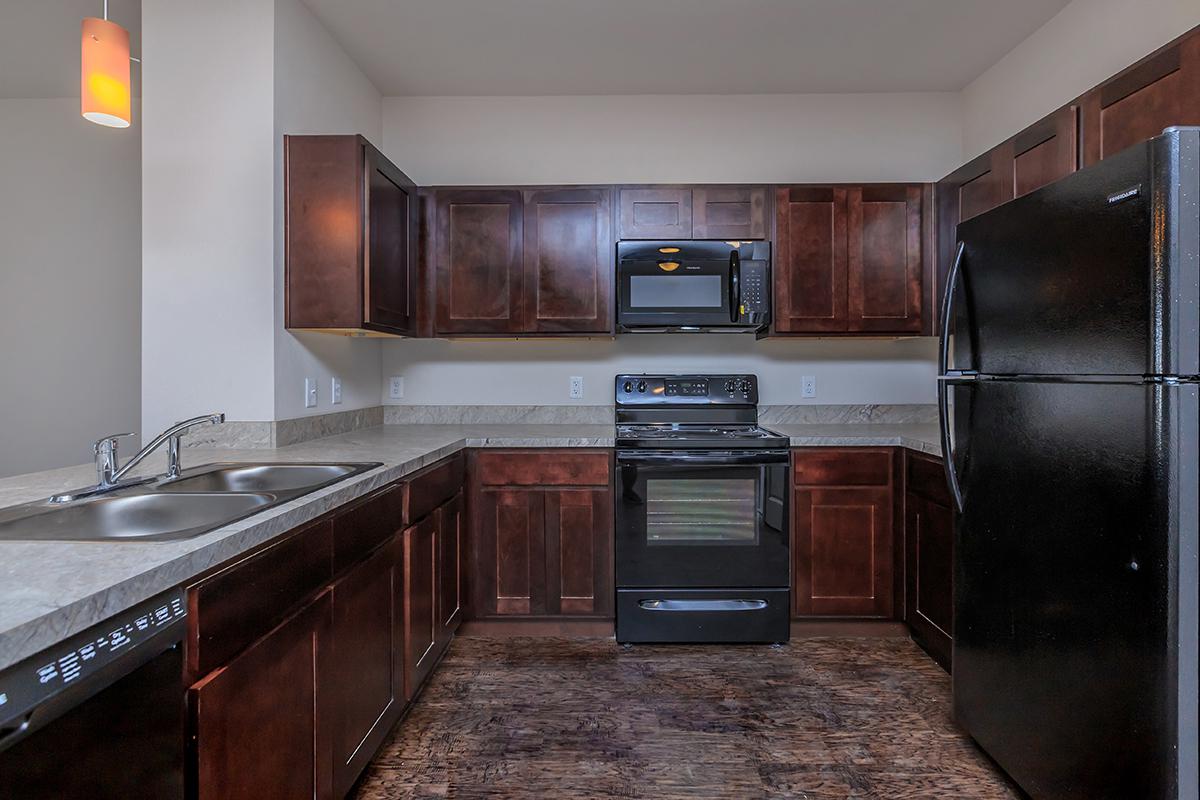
(689, 458)
(702, 605)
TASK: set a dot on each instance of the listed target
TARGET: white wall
(70, 297)
(207, 211)
(536, 372)
(318, 89)
(678, 138)
(1082, 45)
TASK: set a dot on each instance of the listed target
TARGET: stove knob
(745, 385)
(627, 387)
(731, 386)
(641, 386)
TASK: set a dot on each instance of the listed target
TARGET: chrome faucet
(110, 475)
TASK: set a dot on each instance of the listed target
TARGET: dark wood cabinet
(477, 261)
(367, 673)
(421, 626)
(351, 222)
(451, 533)
(568, 258)
(260, 724)
(1137, 103)
(1045, 151)
(542, 534)
(730, 212)
(842, 532)
(851, 259)
(929, 557)
(661, 212)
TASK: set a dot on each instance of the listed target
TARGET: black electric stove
(702, 550)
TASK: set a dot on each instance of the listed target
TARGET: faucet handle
(109, 442)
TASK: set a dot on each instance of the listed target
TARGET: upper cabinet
(350, 232)
(693, 212)
(851, 259)
(511, 261)
(1159, 91)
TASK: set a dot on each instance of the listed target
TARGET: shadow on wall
(533, 371)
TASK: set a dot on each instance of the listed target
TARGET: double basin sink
(201, 499)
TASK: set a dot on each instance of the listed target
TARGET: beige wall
(684, 138)
(1083, 44)
(69, 283)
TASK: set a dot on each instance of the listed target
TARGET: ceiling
(39, 43)
(548, 47)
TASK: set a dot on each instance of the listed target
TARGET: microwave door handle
(735, 289)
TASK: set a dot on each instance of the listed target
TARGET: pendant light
(104, 88)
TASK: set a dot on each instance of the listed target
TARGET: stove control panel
(667, 390)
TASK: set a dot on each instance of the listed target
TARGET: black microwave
(694, 286)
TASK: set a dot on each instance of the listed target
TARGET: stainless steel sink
(199, 500)
(259, 478)
(144, 517)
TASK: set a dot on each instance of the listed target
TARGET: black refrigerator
(1068, 391)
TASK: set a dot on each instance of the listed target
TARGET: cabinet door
(579, 544)
(368, 647)
(1159, 91)
(842, 545)
(568, 260)
(450, 587)
(261, 723)
(1045, 151)
(391, 238)
(510, 553)
(929, 571)
(420, 602)
(479, 281)
(884, 259)
(810, 260)
(729, 212)
(655, 213)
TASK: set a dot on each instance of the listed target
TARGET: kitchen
(565, 412)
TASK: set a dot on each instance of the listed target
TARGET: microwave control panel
(754, 288)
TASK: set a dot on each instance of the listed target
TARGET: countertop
(52, 590)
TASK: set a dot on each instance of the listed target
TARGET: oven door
(702, 519)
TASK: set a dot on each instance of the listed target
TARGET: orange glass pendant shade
(104, 75)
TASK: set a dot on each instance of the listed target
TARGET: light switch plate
(396, 387)
(335, 391)
(576, 390)
(808, 385)
(310, 392)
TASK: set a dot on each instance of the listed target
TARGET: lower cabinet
(261, 724)
(929, 557)
(304, 654)
(842, 532)
(367, 673)
(543, 534)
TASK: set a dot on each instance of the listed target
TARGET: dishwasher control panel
(42, 676)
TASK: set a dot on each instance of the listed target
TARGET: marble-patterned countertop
(52, 590)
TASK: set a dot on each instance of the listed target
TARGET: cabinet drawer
(836, 467)
(432, 486)
(366, 524)
(926, 476)
(234, 607)
(544, 468)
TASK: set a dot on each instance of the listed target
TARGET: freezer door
(1075, 585)
(1095, 274)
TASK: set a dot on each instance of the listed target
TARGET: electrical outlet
(396, 387)
(335, 391)
(808, 385)
(310, 392)
(576, 392)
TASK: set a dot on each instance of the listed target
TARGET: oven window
(675, 291)
(681, 511)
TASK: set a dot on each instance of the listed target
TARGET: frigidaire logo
(1125, 195)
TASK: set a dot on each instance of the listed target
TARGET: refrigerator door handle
(943, 401)
(947, 311)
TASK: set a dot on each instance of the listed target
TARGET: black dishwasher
(100, 715)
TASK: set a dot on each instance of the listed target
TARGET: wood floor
(557, 718)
